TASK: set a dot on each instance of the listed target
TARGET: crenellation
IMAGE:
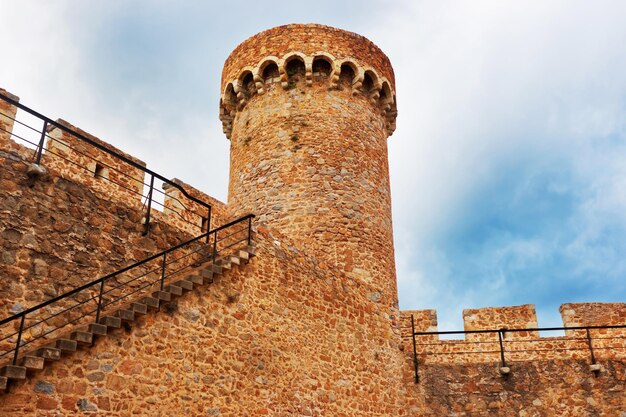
(594, 314)
(80, 161)
(188, 215)
(608, 344)
(7, 117)
(514, 317)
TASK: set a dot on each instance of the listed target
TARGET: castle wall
(549, 376)
(61, 230)
(7, 121)
(57, 234)
(7, 115)
(279, 336)
(186, 214)
(81, 162)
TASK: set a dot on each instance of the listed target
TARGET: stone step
(85, 338)
(162, 295)
(224, 264)
(216, 269)
(49, 353)
(65, 345)
(126, 315)
(235, 260)
(174, 290)
(139, 308)
(251, 249)
(151, 302)
(243, 255)
(97, 329)
(13, 372)
(4, 383)
(33, 363)
(184, 284)
(197, 279)
(111, 321)
(208, 273)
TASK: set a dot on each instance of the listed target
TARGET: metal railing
(86, 304)
(39, 136)
(585, 339)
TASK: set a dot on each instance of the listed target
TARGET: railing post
(215, 246)
(163, 266)
(500, 338)
(19, 340)
(417, 377)
(593, 356)
(39, 150)
(147, 223)
(99, 301)
(249, 231)
(208, 224)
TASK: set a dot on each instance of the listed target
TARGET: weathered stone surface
(309, 153)
(310, 327)
(44, 387)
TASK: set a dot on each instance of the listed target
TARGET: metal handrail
(203, 238)
(501, 339)
(47, 121)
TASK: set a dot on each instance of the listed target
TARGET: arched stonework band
(320, 65)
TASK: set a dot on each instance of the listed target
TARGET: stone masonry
(310, 326)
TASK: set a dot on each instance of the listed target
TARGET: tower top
(264, 59)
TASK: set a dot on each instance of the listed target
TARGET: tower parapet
(308, 109)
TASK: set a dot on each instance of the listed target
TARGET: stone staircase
(85, 336)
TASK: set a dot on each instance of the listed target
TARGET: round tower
(308, 109)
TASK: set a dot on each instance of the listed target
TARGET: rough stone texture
(186, 214)
(7, 114)
(312, 162)
(518, 317)
(550, 376)
(278, 337)
(537, 389)
(57, 234)
(81, 162)
(308, 39)
(310, 326)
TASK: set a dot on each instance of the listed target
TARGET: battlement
(327, 56)
(125, 180)
(607, 343)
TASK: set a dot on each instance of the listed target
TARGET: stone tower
(308, 109)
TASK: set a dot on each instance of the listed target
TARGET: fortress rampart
(310, 326)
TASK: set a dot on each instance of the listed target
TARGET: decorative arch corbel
(229, 97)
(288, 59)
(268, 71)
(371, 84)
(323, 64)
(350, 73)
(386, 96)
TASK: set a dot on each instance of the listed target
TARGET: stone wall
(84, 163)
(7, 117)
(186, 214)
(65, 228)
(279, 336)
(549, 376)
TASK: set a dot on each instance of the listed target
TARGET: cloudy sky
(508, 166)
